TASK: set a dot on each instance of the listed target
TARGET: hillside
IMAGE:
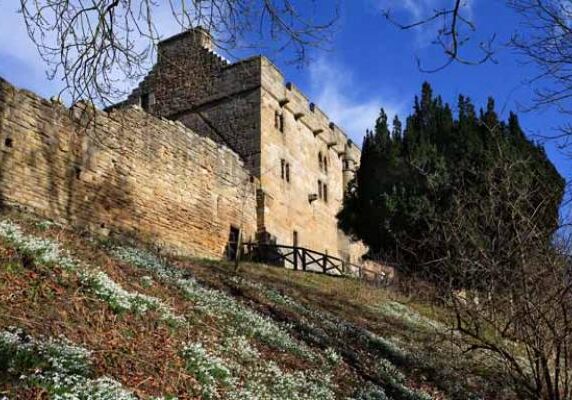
(89, 318)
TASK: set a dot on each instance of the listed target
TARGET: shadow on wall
(124, 173)
(98, 185)
(52, 166)
(98, 192)
(231, 248)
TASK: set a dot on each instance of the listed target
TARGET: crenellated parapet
(290, 98)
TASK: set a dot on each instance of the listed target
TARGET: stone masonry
(300, 159)
(124, 171)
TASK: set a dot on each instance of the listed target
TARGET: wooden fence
(303, 259)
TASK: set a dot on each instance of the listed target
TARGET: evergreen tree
(411, 179)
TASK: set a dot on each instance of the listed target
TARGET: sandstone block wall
(239, 105)
(307, 135)
(125, 171)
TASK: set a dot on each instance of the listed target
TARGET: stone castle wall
(123, 171)
(306, 135)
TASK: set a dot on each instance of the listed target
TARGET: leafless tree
(510, 297)
(95, 45)
(547, 43)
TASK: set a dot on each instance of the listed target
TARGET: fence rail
(307, 260)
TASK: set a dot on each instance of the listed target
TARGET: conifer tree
(411, 179)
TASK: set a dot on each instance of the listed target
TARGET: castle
(302, 160)
(202, 150)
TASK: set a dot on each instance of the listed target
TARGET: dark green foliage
(413, 181)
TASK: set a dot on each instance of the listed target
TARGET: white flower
(48, 252)
(215, 303)
(408, 316)
(43, 251)
(332, 356)
(63, 367)
(210, 370)
(146, 281)
(122, 300)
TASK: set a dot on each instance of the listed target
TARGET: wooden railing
(303, 259)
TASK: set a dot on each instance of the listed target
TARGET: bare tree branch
(96, 45)
(544, 40)
(454, 33)
(513, 300)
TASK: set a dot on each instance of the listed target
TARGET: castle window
(285, 170)
(8, 142)
(346, 165)
(319, 189)
(325, 192)
(279, 121)
(323, 162)
(145, 101)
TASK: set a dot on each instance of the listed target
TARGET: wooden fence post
(295, 253)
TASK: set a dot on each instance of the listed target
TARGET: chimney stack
(192, 38)
(202, 37)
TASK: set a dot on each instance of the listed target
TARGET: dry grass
(139, 351)
(144, 353)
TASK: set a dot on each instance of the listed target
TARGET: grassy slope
(262, 333)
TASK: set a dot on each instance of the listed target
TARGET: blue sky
(370, 64)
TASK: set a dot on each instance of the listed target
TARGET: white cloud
(417, 9)
(342, 98)
(411, 11)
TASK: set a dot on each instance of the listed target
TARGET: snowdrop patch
(210, 370)
(120, 299)
(42, 250)
(58, 366)
(412, 318)
(215, 303)
(263, 380)
(268, 381)
(48, 252)
(384, 347)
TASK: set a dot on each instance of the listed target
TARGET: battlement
(198, 36)
(294, 100)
